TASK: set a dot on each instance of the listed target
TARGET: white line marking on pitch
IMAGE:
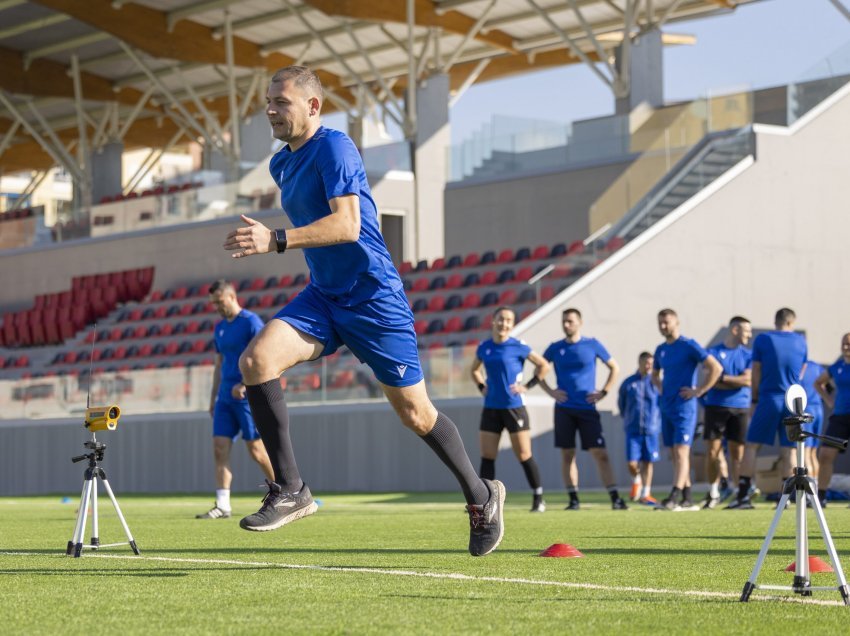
(445, 576)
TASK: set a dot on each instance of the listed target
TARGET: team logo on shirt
(221, 333)
(401, 369)
(563, 351)
(486, 352)
(722, 355)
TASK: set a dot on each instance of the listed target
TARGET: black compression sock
(445, 441)
(686, 493)
(675, 494)
(268, 406)
(532, 473)
(488, 468)
(744, 487)
(572, 491)
(724, 483)
(612, 492)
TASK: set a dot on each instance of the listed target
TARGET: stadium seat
(471, 323)
(156, 296)
(266, 301)
(505, 256)
(471, 301)
(285, 281)
(421, 304)
(438, 282)
(300, 279)
(205, 289)
(454, 281)
(184, 347)
(559, 249)
(271, 282)
(489, 277)
(438, 264)
(576, 247)
(166, 329)
(547, 293)
(472, 259)
(507, 297)
(206, 325)
(527, 295)
(253, 302)
(435, 344)
(161, 312)
(540, 252)
(421, 266)
(134, 315)
(454, 302)
(505, 276)
(243, 285)
(153, 331)
(281, 299)
(615, 243)
(454, 261)
(186, 309)
(453, 324)
(421, 284)
(193, 326)
(437, 302)
(524, 274)
(199, 346)
(523, 254)
(420, 327)
(471, 280)
(405, 267)
(257, 284)
(435, 326)
(140, 332)
(490, 298)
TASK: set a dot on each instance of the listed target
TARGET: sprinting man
(727, 410)
(228, 407)
(355, 297)
(637, 400)
(779, 359)
(837, 377)
(576, 396)
(503, 357)
(674, 373)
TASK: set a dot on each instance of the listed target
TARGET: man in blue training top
(638, 404)
(228, 406)
(833, 384)
(674, 373)
(355, 297)
(574, 359)
(779, 359)
(727, 409)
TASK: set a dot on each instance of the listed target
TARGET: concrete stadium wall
(528, 211)
(772, 236)
(361, 447)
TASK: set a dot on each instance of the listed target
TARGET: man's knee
(221, 450)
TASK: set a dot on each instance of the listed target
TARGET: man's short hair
(785, 316)
(221, 285)
(667, 312)
(643, 356)
(571, 310)
(303, 77)
(504, 308)
(737, 320)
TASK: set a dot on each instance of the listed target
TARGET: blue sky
(767, 43)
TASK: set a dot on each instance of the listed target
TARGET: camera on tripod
(795, 402)
(102, 418)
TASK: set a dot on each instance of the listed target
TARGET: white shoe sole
(295, 516)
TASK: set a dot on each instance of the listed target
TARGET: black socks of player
(488, 468)
(612, 492)
(744, 487)
(532, 474)
(445, 440)
(268, 406)
(724, 483)
(572, 491)
(686, 494)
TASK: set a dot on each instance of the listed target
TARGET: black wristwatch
(280, 240)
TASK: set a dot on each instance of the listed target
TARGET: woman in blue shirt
(837, 378)
(502, 358)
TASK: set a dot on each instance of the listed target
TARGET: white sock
(714, 491)
(644, 492)
(636, 479)
(222, 498)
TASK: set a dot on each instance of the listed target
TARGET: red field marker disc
(816, 564)
(562, 550)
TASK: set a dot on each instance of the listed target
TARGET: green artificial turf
(209, 576)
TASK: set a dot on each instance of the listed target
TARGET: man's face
(645, 366)
(845, 346)
(223, 300)
(572, 324)
(668, 324)
(742, 332)
(288, 108)
(503, 322)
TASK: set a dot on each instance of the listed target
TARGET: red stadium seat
(453, 324)
(438, 263)
(420, 327)
(156, 296)
(185, 310)
(436, 303)
(524, 274)
(140, 332)
(285, 281)
(405, 267)
(615, 243)
(547, 293)
(472, 259)
(454, 281)
(507, 297)
(193, 326)
(257, 284)
(199, 345)
(505, 256)
(171, 348)
(471, 301)
(541, 251)
(421, 284)
(167, 329)
(489, 277)
(576, 247)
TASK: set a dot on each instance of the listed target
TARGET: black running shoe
(538, 505)
(619, 504)
(710, 502)
(280, 508)
(214, 513)
(486, 523)
(669, 504)
(573, 505)
(740, 504)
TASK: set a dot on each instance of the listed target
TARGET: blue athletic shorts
(677, 428)
(231, 417)
(767, 421)
(642, 448)
(379, 332)
(815, 426)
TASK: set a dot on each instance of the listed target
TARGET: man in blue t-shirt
(355, 297)
(228, 406)
(837, 378)
(638, 404)
(727, 409)
(576, 396)
(779, 360)
(674, 373)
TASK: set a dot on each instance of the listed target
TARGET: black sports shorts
(726, 421)
(839, 426)
(586, 422)
(515, 420)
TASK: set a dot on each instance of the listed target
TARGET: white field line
(450, 576)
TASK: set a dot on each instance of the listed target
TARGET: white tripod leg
(76, 536)
(750, 585)
(830, 549)
(130, 539)
(95, 535)
(82, 518)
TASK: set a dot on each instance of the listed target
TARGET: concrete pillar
(430, 163)
(106, 168)
(646, 75)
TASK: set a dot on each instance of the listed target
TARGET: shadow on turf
(159, 573)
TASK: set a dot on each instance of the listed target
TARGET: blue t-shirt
(734, 362)
(503, 363)
(678, 361)
(231, 338)
(638, 404)
(325, 167)
(575, 369)
(840, 373)
(812, 373)
(782, 355)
